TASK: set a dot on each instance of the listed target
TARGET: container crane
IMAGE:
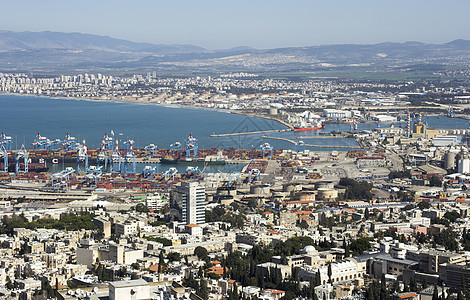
(149, 171)
(191, 146)
(232, 179)
(54, 145)
(267, 148)
(150, 150)
(107, 142)
(254, 175)
(93, 175)
(22, 155)
(4, 155)
(40, 142)
(300, 145)
(6, 141)
(59, 181)
(102, 157)
(175, 147)
(82, 157)
(116, 159)
(170, 174)
(129, 158)
(192, 172)
(69, 143)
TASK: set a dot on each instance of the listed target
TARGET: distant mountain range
(15, 41)
(74, 52)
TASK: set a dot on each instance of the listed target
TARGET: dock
(248, 132)
(322, 137)
(308, 145)
(145, 160)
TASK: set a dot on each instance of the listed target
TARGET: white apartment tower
(188, 203)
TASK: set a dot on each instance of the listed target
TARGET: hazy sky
(216, 24)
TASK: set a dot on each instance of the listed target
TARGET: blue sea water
(21, 117)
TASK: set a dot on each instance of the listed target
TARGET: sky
(222, 24)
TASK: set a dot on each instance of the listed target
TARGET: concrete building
(104, 225)
(187, 203)
(454, 276)
(445, 140)
(430, 261)
(129, 290)
(336, 113)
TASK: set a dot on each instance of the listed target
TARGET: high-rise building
(187, 203)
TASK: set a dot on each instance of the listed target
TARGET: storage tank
(464, 164)
(327, 194)
(260, 189)
(324, 185)
(290, 187)
(449, 160)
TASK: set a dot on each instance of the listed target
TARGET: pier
(322, 137)
(308, 145)
(248, 132)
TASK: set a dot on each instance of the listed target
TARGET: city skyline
(262, 24)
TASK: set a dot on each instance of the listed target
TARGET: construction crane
(170, 174)
(175, 147)
(116, 159)
(82, 157)
(129, 158)
(22, 154)
(191, 146)
(4, 155)
(6, 141)
(267, 148)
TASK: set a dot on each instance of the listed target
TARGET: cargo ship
(208, 160)
(32, 167)
(192, 161)
(304, 126)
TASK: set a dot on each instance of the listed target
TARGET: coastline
(169, 105)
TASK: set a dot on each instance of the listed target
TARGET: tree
(367, 214)
(203, 292)
(9, 284)
(317, 278)
(202, 253)
(360, 245)
(330, 272)
(174, 256)
(356, 189)
(161, 262)
(424, 205)
(303, 224)
(141, 208)
(435, 294)
(435, 181)
(452, 216)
